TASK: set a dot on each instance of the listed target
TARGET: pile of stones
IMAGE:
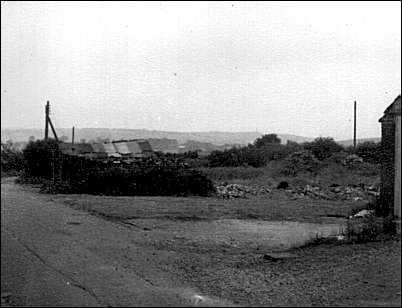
(333, 192)
(352, 160)
(231, 191)
(336, 192)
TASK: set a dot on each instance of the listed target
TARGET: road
(52, 255)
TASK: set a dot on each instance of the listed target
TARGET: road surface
(52, 255)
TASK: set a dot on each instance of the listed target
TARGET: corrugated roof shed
(113, 149)
(109, 148)
(122, 148)
(98, 148)
(134, 147)
(145, 146)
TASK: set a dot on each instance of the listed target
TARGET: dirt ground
(274, 207)
(220, 247)
(247, 252)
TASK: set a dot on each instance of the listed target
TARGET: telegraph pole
(72, 136)
(47, 122)
(354, 129)
(47, 110)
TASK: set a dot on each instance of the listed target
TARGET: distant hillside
(350, 141)
(216, 138)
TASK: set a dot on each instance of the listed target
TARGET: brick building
(391, 161)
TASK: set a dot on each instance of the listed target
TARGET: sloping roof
(109, 148)
(98, 148)
(145, 146)
(395, 107)
(122, 148)
(113, 149)
(133, 147)
(392, 110)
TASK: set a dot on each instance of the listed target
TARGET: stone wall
(397, 193)
(388, 166)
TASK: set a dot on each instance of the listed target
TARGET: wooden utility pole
(47, 110)
(47, 122)
(354, 129)
(72, 136)
(53, 130)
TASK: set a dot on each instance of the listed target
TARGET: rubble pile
(352, 160)
(231, 191)
(336, 192)
(333, 192)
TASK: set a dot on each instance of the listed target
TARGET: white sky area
(278, 67)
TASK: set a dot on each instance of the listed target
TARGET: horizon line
(189, 132)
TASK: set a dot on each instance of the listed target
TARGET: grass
(233, 173)
(328, 173)
(276, 207)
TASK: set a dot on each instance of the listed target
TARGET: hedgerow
(146, 176)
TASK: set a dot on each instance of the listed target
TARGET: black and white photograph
(201, 153)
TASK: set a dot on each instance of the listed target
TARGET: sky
(276, 67)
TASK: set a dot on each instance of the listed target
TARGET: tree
(370, 151)
(11, 159)
(292, 144)
(265, 140)
(9, 144)
(39, 157)
(323, 147)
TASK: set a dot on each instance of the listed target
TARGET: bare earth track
(79, 250)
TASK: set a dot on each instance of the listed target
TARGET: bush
(369, 151)
(323, 147)
(302, 161)
(40, 156)
(234, 157)
(12, 161)
(267, 140)
(142, 178)
(338, 157)
(365, 169)
(249, 156)
(232, 173)
(366, 229)
(275, 152)
(377, 226)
